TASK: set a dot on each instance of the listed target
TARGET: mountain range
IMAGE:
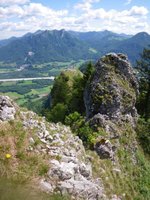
(60, 45)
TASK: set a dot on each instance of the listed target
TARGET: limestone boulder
(7, 109)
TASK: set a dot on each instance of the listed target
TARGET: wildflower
(8, 156)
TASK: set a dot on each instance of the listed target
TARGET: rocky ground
(69, 169)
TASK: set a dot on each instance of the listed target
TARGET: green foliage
(24, 88)
(143, 133)
(35, 105)
(77, 100)
(61, 91)
(43, 169)
(66, 96)
(89, 72)
(81, 128)
(143, 66)
(67, 102)
(57, 113)
(69, 89)
(75, 120)
(141, 182)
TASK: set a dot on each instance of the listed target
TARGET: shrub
(57, 113)
(82, 129)
(143, 133)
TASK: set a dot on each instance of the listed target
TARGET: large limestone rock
(111, 95)
(7, 109)
(70, 171)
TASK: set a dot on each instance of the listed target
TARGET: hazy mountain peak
(62, 45)
(142, 34)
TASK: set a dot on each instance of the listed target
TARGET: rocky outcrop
(105, 149)
(70, 171)
(7, 109)
(111, 95)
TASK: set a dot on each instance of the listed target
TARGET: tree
(60, 92)
(143, 65)
(89, 72)
(77, 101)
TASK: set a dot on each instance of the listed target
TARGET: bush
(143, 133)
(75, 120)
(57, 113)
(82, 129)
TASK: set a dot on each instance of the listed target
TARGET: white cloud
(17, 19)
(135, 10)
(12, 2)
(119, 21)
(128, 2)
(86, 4)
(32, 9)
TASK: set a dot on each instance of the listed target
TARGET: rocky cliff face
(111, 94)
(110, 99)
(68, 171)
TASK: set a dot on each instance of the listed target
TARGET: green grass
(19, 174)
(133, 179)
(44, 90)
(25, 82)
(11, 190)
(13, 95)
(21, 101)
(8, 83)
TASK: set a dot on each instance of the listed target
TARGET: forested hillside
(47, 46)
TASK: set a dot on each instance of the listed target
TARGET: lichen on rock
(112, 91)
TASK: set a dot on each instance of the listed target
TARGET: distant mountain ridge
(60, 45)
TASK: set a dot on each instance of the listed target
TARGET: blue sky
(18, 17)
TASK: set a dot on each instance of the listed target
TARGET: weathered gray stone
(105, 149)
(115, 197)
(112, 91)
(31, 141)
(81, 189)
(62, 171)
(46, 186)
(7, 109)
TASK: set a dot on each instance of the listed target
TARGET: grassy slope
(19, 174)
(129, 176)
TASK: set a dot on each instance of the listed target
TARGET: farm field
(29, 93)
(9, 71)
